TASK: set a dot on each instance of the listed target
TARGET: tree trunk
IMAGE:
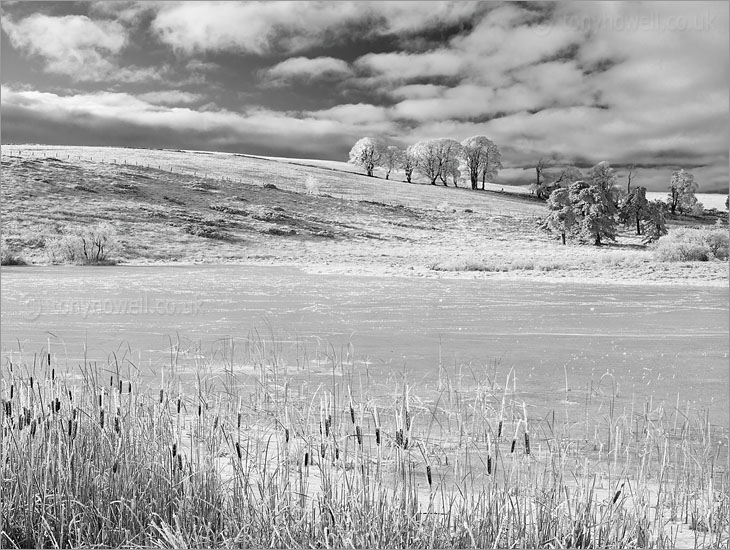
(563, 235)
(598, 240)
(638, 225)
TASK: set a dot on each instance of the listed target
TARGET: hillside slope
(170, 206)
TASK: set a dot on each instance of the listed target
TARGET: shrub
(84, 246)
(8, 257)
(693, 245)
(311, 185)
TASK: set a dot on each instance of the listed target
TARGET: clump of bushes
(84, 245)
(693, 245)
(9, 257)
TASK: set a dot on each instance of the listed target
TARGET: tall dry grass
(275, 458)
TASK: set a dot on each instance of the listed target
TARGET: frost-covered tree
(567, 177)
(655, 225)
(481, 158)
(634, 207)
(595, 212)
(434, 155)
(682, 190)
(390, 159)
(408, 162)
(604, 177)
(540, 188)
(366, 153)
(562, 214)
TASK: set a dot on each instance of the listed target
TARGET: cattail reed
(32, 428)
(527, 433)
(178, 405)
(489, 454)
(358, 433)
(377, 435)
(130, 387)
(200, 410)
(101, 418)
(8, 409)
(215, 423)
(70, 427)
(174, 450)
(49, 358)
(120, 386)
(58, 404)
(117, 425)
(238, 450)
(179, 462)
(53, 374)
(114, 468)
(428, 475)
(322, 449)
(306, 459)
(162, 394)
(12, 386)
(499, 429)
(286, 435)
(31, 382)
(111, 381)
(352, 414)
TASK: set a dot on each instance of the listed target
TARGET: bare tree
(408, 162)
(631, 175)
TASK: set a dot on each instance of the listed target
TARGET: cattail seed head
(352, 413)
(489, 465)
(377, 435)
(11, 390)
(174, 450)
(239, 421)
(499, 429)
(215, 423)
(120, 385)
(70, 396)
(306, 459)
(322, 449)
(58, 404)
(117, 427)
(162, 393)
(615, 497)
(179, 462)
(178, 405)
(358, 433)
(32, 428)
(8, 408)
(101, 419)
(70, 427)
(337, 453)
(408, 420)
(428, 475)
(238, 450)
(53, 374)
(49, 358)
(327, 425)
(200, 410)
(114, 468)
(100, 400)
(286, 435)
(527, 443)
(31, 382)
(130, 387)
(512, 449)
(111, 381)
(399, 437)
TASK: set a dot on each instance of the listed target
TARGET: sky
(579, 83)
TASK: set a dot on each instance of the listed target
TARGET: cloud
(353, 114)
(109, 118)
(286, 27)
(303, 69)
(169, 97)
(76, 46)
(71, 45)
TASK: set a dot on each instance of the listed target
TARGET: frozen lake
(655, 341)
